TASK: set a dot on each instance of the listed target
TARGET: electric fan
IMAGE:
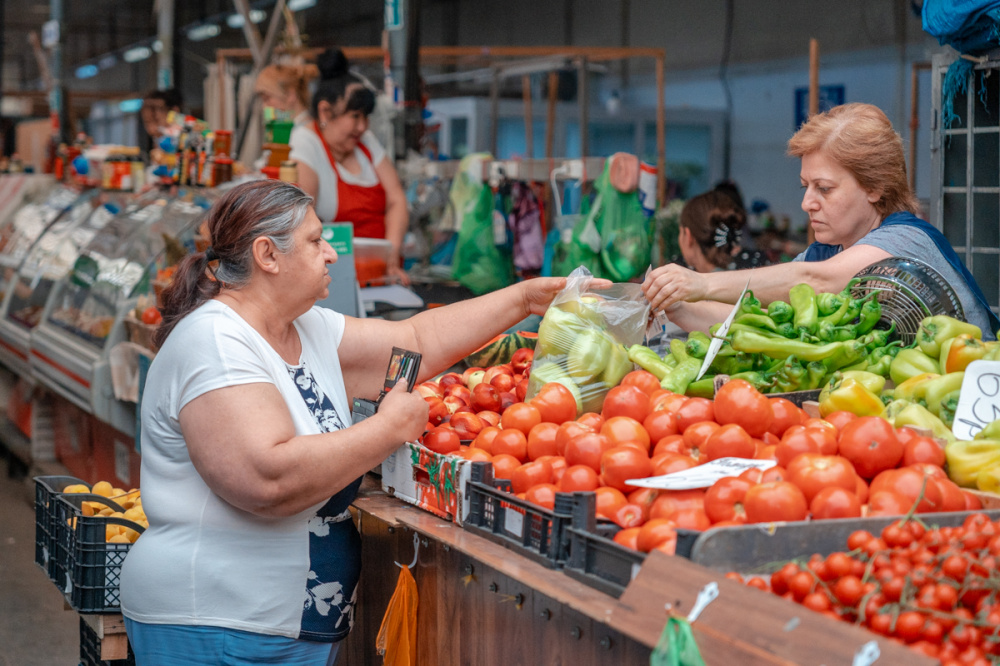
(908, 290)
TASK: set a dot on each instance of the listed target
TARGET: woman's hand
(672, 284)
(395, 273)
(539, 292)
(408, 412)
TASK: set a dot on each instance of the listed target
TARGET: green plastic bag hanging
(579, 243)
(479, 264)
(676, 646)
(624, 230)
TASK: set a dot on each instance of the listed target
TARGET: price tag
(513, 521)
(702, 476)
(979, 402)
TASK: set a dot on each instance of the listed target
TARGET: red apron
(364, 206)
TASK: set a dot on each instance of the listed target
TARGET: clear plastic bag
(583, 339)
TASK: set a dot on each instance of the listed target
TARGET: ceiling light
(86, 71)
(137, 53)
(236, 20)
(203, 32)
(296, 5)
(107, 62)
(130, 105)
(157, 46)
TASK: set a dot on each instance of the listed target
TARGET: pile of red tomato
(840, 467)
(934, 589)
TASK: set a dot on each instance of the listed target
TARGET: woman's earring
(322, 125)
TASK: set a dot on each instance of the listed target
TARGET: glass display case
(83, 316)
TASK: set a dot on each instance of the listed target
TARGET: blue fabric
(822, 251)
(180, 645)
(970, 26)
(334, 542)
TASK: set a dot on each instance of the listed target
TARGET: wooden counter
(481, 603)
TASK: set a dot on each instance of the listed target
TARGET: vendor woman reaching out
(861, 210)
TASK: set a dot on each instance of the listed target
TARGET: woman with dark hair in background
(343, 166)
(711, 233)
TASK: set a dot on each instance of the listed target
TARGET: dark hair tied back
(335, 79)
(332, 64)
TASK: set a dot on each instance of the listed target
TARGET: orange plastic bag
(397, 637)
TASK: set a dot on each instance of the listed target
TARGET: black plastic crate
(527, 528)
(94, 565)
(47, 488)
(596, 559)
(90, 649)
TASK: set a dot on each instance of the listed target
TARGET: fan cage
(908, 290)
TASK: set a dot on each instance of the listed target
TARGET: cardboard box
(432, 481)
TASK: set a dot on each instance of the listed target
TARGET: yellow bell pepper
(966, 459)
(958, 352)
(893, 409)
(871, 381)
(910, 363)
(936, 389)
(914, 388)
(988, 480)
(935, 330)
(991, 431)
(849, 395)
(918, 416)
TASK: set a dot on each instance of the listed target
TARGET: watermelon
(500, 349)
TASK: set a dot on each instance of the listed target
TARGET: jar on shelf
(223, 142)
(289, 171)
(223, 170)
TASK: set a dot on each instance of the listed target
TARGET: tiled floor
(35, 630)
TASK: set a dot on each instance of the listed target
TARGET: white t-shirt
(205, 562)
(308, 149)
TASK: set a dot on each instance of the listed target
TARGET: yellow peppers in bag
(967, 459)
(849, 395)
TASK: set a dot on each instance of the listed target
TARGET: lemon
(102, 488)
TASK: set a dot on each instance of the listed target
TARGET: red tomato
(555, 403)
(644, 498)
(558, 466)
(567, 431)
(724, 500)
(542, 440)
(543, 494)
(659, 425)
(909, 482)
(796, 441)
(668, 463)
(642, 379)
(671, 444)
(840, 419)
(580, 478)
(628, 515)
(922, 450)
(622, 463)
(870, 443)
(696, 436)
(775, 501)
(692, 519)
(655, 533)
(587, 449)
(520, 416)
(504, 466)
(786, 414)
(666, 401)
(512, 442)
(952, 497)
(609, 500)
(861, 489)
(530, 474)
(442, 440)
(972, 502)
(621, 429)
(694, 410)
(492, 418)
(628, 537)
(887, 503)
(835, 502)
(626, 400)
(592, 419)
(669, 502)
(905, 434)
(731, 440)
(477, 455)
(151, 316)
(813, 472)
(484, 440)
(740, 403)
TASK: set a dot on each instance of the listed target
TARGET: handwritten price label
(979, 402)
(702, 476)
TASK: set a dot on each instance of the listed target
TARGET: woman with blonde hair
(861, 210)
(285, 87)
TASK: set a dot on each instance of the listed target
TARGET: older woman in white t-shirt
(343, 166)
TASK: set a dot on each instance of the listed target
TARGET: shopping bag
(397, 637)
(676, 646)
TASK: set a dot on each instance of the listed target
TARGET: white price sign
(702, 476)
(979, 401)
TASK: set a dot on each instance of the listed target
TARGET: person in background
(156, 104)
(285, 87)
(861, 210)
(343, 166)
(249, 458)
(711, 231)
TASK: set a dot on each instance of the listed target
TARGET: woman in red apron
(343, 167)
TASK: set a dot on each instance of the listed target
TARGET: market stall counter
(482, 603)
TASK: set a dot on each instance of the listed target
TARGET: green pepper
(958, 352)
(849, 395)
(914, 388)
(649, 360)
(871, 312)
(949, 405)
(880, 366)
(780, 311)
(935, 330)
(618, 366)
(910, 363)
(918, 415)
(589, 355)
(815, 374)
(697, 344)
(762, 322)
(735, 326)
(703, 388)
(678, 348)
(827, 332)
(828, 303)
(878, 337)
(758, 379)
(776, 348)
(938, 387)
(848, 354)
(733, 364)
(790, 377)
(787, 330)
(803, 300)
(860, 366)
(751, 304)
(681, 376)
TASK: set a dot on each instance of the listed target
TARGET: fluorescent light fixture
(130, 105)
(137, 53)
(86, 71)
(203, 32)
(157, 46)
(107, 62)
(236, 20)
(296, 5)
